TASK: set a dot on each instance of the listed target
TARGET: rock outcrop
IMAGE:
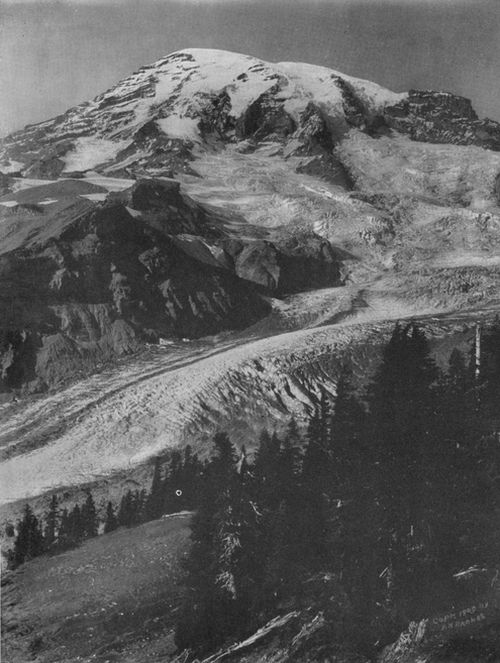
(94, 280)
(285, 266)
(441, 117)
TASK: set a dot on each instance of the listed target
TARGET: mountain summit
(186, 99)
(157, 118)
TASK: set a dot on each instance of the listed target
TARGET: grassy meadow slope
(114, 593)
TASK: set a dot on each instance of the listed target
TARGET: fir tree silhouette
(155, 501)
(126, 510)
(111, 522)
(29, 541)
(316, 486)
(51, 523)
(209, 613)
(76, 526)
(89, 522)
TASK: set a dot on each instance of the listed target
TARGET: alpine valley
(203, 247)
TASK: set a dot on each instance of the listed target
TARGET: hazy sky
(54, 54)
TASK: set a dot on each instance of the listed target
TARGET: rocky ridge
(88, 280)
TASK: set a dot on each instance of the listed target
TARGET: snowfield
(91, 151)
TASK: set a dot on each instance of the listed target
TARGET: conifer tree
(111, 522)
(353, 535)
(168, 493)
(188, 481)
(316, 487)
(225, 520)
(466, 494)
(181, 484)
(267, 467)
(404, 433)
(51, 523)
(29, 540)
(126, 510)
(490, 364)
(290, 463)
(282, 547)
(76, 526)
(154, 506)
(346, 444)
(245, 565)
(278, 501)
(140, 502)
(291, 446)
(210, 611)
(64, 533)
(89, 523)
(175, 482)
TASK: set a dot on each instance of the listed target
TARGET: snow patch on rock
(91, 151)
(180, 127)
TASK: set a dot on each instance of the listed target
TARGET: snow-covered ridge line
(220, 69)
(175, 92)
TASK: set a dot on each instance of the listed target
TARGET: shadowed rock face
(107, 279)
(286, 266)
(440, 117)
(164, 206)
(265, 118)
(83, 281)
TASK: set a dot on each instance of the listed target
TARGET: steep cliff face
(85, 280)
(441, 117)
(91, 280)
(286, 265)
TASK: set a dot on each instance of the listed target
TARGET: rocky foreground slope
(217, 197)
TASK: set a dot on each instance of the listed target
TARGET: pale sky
(55, 54)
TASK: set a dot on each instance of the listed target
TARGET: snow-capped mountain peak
(195, 99)
(185, 96)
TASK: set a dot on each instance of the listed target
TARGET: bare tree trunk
(478, 352)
